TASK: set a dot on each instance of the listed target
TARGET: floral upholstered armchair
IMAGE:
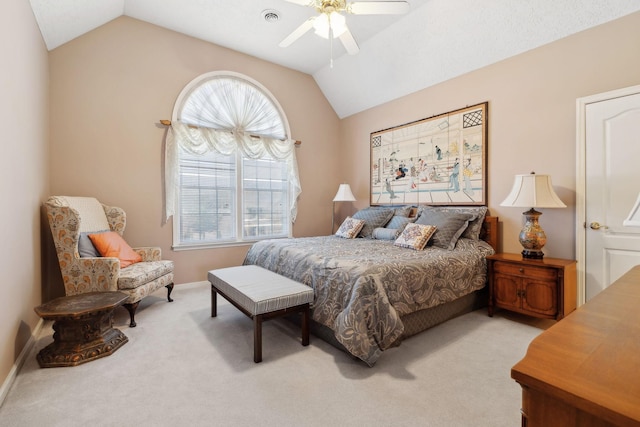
(77, 223)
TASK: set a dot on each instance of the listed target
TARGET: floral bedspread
(363, 286)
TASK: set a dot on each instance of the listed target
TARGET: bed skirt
(414, 323)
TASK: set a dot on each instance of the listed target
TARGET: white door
(611, 187)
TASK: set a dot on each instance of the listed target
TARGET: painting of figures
(440, 160)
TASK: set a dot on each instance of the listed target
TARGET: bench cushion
(259, 290)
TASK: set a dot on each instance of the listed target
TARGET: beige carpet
(183, 368)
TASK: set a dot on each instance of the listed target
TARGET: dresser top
(591, 359)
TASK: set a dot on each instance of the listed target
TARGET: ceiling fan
(331, 23)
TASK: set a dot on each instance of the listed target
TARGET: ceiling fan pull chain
(330, 42)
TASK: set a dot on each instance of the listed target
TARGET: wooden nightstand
(537, 287)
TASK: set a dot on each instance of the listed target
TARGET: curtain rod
(168, 123)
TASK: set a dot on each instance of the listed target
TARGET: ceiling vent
(270, 15)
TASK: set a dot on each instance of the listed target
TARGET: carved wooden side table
(83, 326)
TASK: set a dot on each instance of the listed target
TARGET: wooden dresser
(585, 370)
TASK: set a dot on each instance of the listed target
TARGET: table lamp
(633, 220)
(534, 191)
(344, 194)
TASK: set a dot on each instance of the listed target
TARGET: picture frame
(440, 160)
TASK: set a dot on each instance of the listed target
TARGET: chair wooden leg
(131, 308)
(169, 289)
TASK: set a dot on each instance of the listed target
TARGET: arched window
(230, 166)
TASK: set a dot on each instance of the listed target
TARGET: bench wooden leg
(257, 338)
(305, 326)
(214, 302)
(259, 318)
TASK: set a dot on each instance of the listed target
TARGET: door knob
(596, 225)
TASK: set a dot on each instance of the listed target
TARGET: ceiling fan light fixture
(334, 21)
(330, 23)
(321, 25)
(338, 23)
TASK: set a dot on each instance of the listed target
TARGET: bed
(370, 293)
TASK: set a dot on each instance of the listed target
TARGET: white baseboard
(13, 373)
(8, 382)
(193, 284)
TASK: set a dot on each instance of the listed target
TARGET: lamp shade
(633, 220)
(533, 191)
(344, 194)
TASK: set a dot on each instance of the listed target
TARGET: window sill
(196, 246)
(178, 248)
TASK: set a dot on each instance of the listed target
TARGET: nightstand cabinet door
(506, 291)
(540, 297)
(520, 293)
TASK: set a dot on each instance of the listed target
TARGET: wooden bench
(262, 295)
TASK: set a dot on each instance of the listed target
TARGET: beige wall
(109, 89)
(23, 175)
(532, 119)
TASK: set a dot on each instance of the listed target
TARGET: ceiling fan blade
(349, 42)
(378, 7)
(298, 32)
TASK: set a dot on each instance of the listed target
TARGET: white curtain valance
(201, 140)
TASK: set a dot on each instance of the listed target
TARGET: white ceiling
(437, 40)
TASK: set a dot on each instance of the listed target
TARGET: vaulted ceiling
(399, 54)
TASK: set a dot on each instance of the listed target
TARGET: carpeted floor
(182, 367)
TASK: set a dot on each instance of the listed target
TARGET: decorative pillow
(350, 228)
(85, 247)
(403, 210)
(415, 236)
(399, 222)
(385, 233)
(475, 226)
(397, 210)
(374, 218)
(111, 244)
(450, 226)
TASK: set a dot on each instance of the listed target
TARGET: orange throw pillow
(111, 244)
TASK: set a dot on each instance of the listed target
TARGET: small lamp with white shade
(344, 194)
(534, 191)
(633, 220)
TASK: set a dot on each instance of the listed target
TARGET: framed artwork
(441, 160)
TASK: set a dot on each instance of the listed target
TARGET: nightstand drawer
(525, 270)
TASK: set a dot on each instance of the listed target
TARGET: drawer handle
(521, 270)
